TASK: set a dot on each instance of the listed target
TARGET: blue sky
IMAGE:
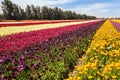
(99, 8)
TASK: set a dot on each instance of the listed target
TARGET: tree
(65, 16)
(0, 17)
(28, 12)
(13, 11)
(34, 12)
(79, 16)
(22, 13)
(8, 9)
(58, 13)
(39, 13)
(51, 13)
(45, 12)
(16, 12)
(74, 15)
(84, 16)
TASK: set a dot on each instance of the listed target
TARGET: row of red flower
(16, 42)
(4, 24)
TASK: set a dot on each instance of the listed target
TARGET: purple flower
(1, 60)
(21, 65)
(2, 77)
(38, 75)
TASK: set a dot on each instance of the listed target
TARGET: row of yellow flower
(102, 59)
(116, 20)
(12, 30)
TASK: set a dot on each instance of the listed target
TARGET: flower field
(26, 23)
(102, 59)
(49, 50)
(12, 29)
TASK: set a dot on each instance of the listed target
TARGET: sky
(98, 8)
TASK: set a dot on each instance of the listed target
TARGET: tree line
(12, 11)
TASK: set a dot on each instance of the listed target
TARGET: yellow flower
(78, 78)
(80, 72)
(90, 77)
(102, 75)
(105, 70)
(70, 78)
(92, 59)
(106, 77)
(88, 51)
(93, 65)
(74, 77)
(117, 64)
(101, 47)
(94, 68)
(96, 61)
(96, 56)
(118, 68)
(113, 45)
(78, 68)
(83, 58)
(98, 79)
(109, 68)
(98, 73)
(85, 69)
(114, 77)
(69, 75)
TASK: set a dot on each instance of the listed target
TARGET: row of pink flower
(116, 25)
(4, 24)
(16, 42)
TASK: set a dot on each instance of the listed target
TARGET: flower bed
(16, 42)
(13, 30)
(46, 59)
(102, 60)
(6, 24)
